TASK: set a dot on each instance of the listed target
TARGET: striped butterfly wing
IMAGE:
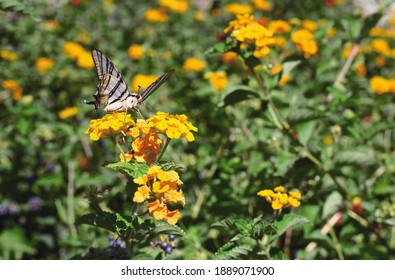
(112, 88)
(155, 85)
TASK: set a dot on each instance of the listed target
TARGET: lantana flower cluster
(304, 42)
(380, 85)
(159, 188)
(145, 133)
(279, 199)
(249, 32)
(77, 52)
(109, 125)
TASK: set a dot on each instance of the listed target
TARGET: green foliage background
(239, 148)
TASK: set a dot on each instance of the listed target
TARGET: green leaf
(50, 180)
(312, 213)
(362, 157)
(333, 203)
(217, 48)
(289, 66)
(305, 131)
(285, 161)
(238, 95)
(235, 253)
(19, 6)
(384, 186)
(133, 170)
(390, 222)
(122, 224)
(289, 221)
(104, 220)
(251, 61)
(148, 254)
(14, 245)
(352, 26)
(339, 96)
(302, 115)
(163, 227)
(171, 165)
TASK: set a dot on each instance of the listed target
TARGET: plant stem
(164, 149)
(347, 64)
(70, 197)
(121, 150)
(337, 245)
(278, 120)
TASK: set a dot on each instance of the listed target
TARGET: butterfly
(112, 89)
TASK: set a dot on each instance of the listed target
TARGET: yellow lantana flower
(43, 64)
(263, 5)
(229, 57)
(279, 199)
(178, 6)
(236, 9)
(160, 187)
(380, 46)
(246, 30)
(279, 26)
(8, 55)
(84, 60)
(218, 80)
(381, 85)
(143, 81)
(77, 52)
(173, 126)
(109, 125)
(68, 112)
(304, 41)
(73, 50)
(155, 15)
(14, 87)
(193, 64)
(136, 51)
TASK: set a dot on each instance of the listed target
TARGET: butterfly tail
(96, 102)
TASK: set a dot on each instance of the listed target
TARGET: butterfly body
(112, 89)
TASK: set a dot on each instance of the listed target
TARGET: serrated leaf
(217, 48)
(235, 253)
(104, 220)
(238, 95)
(133, 170)
(171, 165)
(355, 157)
(122, 223)
(302, 115)
(289, 221)
(163, 227)
(332, 204)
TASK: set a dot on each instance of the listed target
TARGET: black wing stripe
(155, 85)
(119, 97)
(115, 88)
